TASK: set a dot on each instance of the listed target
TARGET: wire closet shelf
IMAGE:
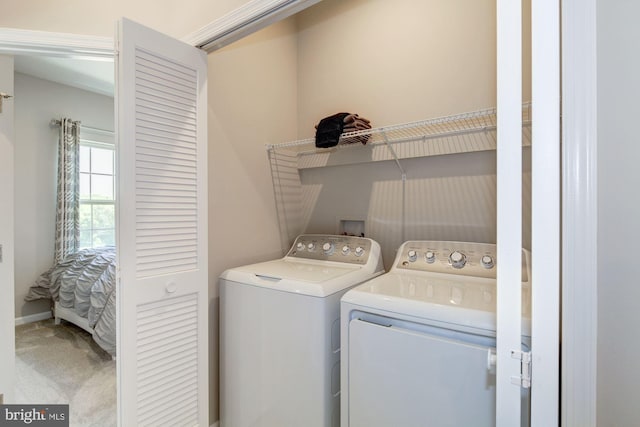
(460, 133)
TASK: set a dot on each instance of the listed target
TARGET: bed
(82, 287)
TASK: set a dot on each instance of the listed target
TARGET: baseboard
(33, 318)
(216, 424)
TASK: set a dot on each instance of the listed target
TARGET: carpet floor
(61, 364)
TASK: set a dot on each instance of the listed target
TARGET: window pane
(85, 216)
(103, 238)
(85, 186)
(85, 239)
(101, 187)
(84, 159)
(97, 221)
(103, 216)
(101, 161)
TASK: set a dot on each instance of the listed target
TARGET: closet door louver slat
(167, 358)
(179, 171)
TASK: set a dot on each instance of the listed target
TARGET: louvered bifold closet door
(162, 230)
(166, 155)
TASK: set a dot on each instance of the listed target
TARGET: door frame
(7, 239)
(579, 214)
(16, 42)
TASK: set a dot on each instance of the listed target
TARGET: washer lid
(308, 277)
(448, 300)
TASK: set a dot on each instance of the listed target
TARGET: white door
(7, 322)
(162, 230)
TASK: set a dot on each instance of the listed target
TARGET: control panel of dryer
(461, 258)
(349, 249)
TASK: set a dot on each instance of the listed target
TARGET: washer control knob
(300, 246)
(413, 255)
(311, 247)
(430, 257)
(487, 261)
(346, 250)
(457, 259)
(359, 251)
(328, 248)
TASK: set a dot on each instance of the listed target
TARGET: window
(97, 189)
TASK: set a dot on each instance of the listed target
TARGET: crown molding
(241, 22)
(18, 41)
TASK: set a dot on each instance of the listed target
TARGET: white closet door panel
(509, 210)
(162, 237)
(167, 357)
(545, 224)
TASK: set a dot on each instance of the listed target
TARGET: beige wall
(38, 101)
(252, 102)
(396, 62)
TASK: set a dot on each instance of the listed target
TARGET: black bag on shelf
(329, 130)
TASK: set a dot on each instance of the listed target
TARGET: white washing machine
(417, 342)
(280, 332)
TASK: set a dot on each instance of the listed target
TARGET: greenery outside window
(97, 188)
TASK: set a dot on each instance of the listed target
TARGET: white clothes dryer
(280, 332)
(417, 342)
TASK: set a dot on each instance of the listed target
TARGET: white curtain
(68, 200)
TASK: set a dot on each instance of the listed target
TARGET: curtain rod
(57, 122)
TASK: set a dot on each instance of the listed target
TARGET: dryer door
(401, 377)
